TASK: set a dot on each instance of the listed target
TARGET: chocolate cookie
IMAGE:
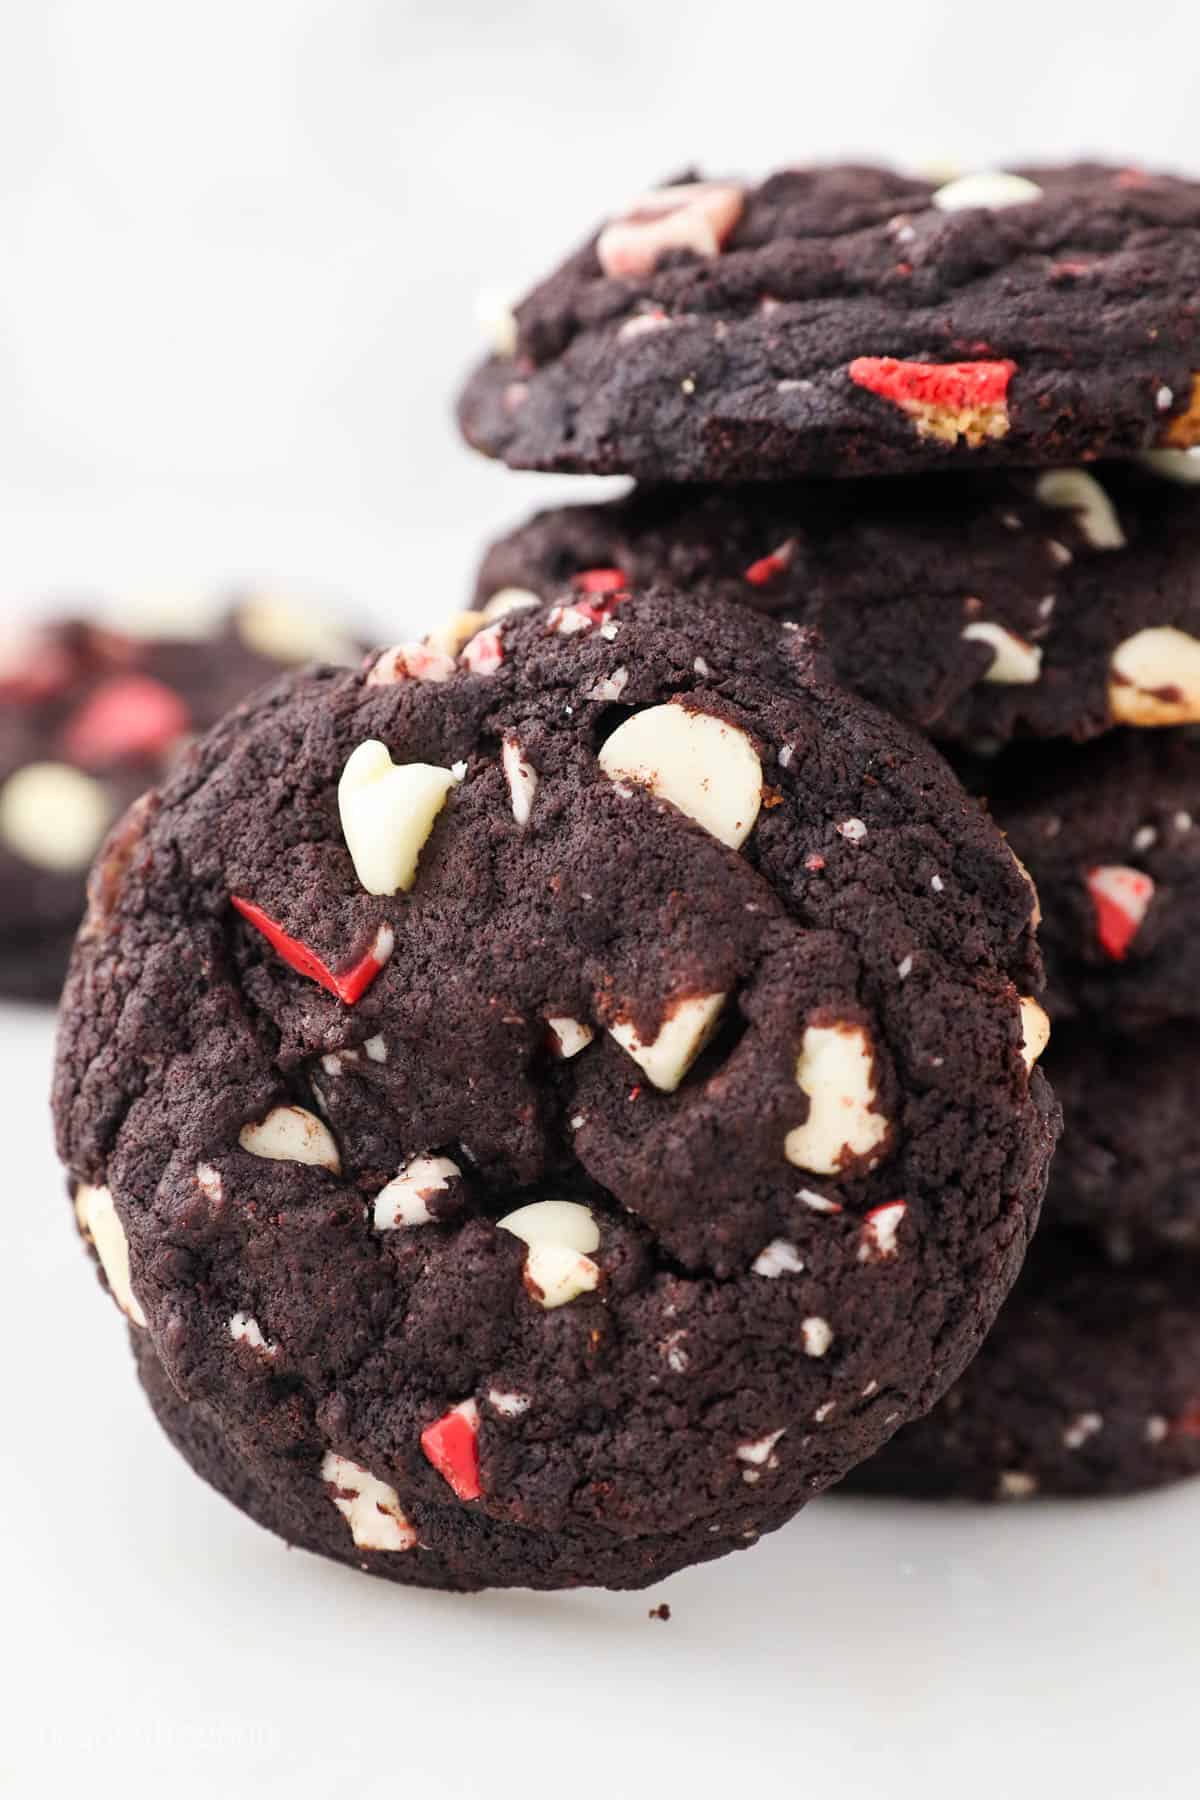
(851, 321)
(554, 1112)
(979, 606)
(1110, 834)
(89, 718)
(1128, 1165)
(1089, 1384)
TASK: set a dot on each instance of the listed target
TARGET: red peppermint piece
(1121, 897)
(1188, 1422)
(131, 715)
(349, 984)
(485, 652)
(955, 387)
(764, 571)
(452, 1445)
(600, 581)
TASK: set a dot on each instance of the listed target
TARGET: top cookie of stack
(847, 321)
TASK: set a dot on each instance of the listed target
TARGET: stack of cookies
(554, 1099)
(950, 428)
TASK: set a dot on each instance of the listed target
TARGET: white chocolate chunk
(1035, 1030)
(288, 632)
(1154, 678)
(879, 1231)
(388, 811)
(509, 600)
(1074, 490)
(1083, 1426)
(376, 1049)
(779, 1258)
(560, 1222)
(683, 1034)
(992, 189)
(560, 1236)
(521, 778)
(405, 1199)
(570, 1035)
(610, 687)
(244, 1329)
(1015, 662)
(292, 1134)
(816, 1335)
(208, 1180)
(497, 320)
(836, 1069)
(1173, 465)
(508, 1403)
(695, 215)
(184, 617)
(706, 768)
(760, 1453)
(448, 638)
(54, 816)
(1015, 1484)
(99, 1223)
(370, 1507)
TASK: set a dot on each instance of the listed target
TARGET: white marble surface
(242, 243)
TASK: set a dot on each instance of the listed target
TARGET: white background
(240, 245)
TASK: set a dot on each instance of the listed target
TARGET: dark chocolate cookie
(554, 1112)
(979, 606)
(1128, 1165)
(850, 321)
(1110, 833)
(1089, 1384)
(89, 718)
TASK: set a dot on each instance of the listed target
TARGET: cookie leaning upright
(549, 1113)
(848, 321)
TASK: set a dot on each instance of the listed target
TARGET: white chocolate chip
(287, 632)
(521, 778)
(695, 215)
(208, 1180)
(292, 1134)
(570, 1035)
(376, 1049)
(879, 1232)
(99, 1223)
(53, 816)
(1074, 490)
(448, 638)
(1173, 465)
(611, 687)
(370, 1506)
(853, 830)
(509, 600)
(1015, 662)
(1157, 1429)
(779, 1258)
(706, 768)
(816, 1336)
(509, 1405)
(685, 1030)
(817, 1202)
(761, 1453)
(497, 321)
(1035, 1030)
(836, 1069)
(991, 189)
(246, 1330)
(405, 1199)
(388, 811)
(1155, 678)
(560, 1236)
(1015, 1484)
(410, 662)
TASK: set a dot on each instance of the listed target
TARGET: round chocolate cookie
(849, 321)
(89, 718)
(1110, 833)
(979, 606)
(1089, 1384)
(553, 1111)
(1128, 1166)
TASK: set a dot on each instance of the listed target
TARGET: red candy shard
(451, 1444)
(768, 567)
(1121, 897)
(349, 984)
(1188, 1422)
(955, 386)
(485, 652)
(600, 581)
(131, 715)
